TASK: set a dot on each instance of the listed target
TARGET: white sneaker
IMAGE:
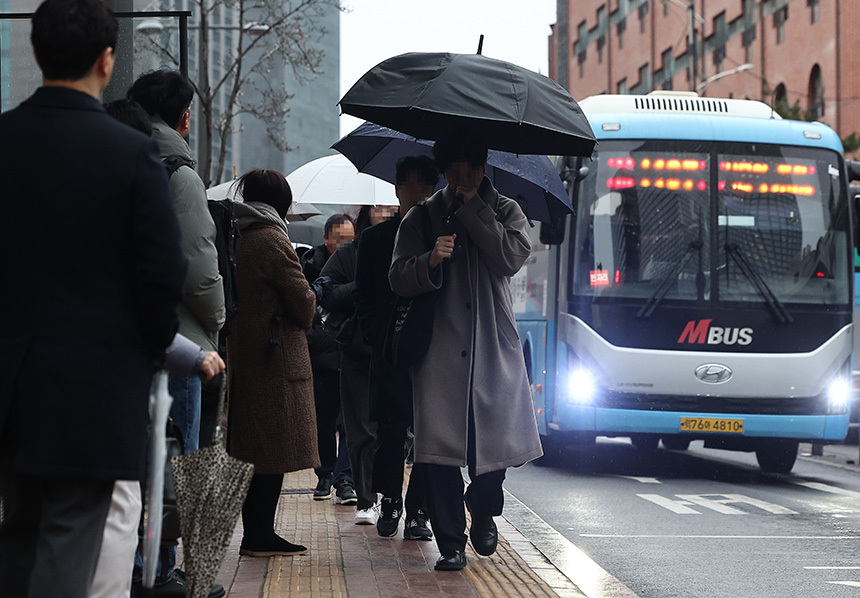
(366, 516)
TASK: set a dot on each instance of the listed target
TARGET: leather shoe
(453, 562)
(483, 533)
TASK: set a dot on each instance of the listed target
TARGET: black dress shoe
(483, 533)
(454, 562)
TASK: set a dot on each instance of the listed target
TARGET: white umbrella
(229, 190)
(159, 408)
(335, 180)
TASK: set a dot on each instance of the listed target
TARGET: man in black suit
(390, 388)
(93, 274)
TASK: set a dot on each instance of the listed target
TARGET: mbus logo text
(702, 332)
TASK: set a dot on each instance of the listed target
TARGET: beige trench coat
(475, 352)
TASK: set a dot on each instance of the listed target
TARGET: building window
(668, 69)
(601, 41)
(779, 19)
(643, 12)
(665, 8)
(580, 58)
(621, 28)
(622, 86)
(814, 10)
(644, 85)
(748, 38)
(816, 92)
(719, 56)
(780, 99)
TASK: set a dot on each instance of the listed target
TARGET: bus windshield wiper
(759, 283)
(665, 284)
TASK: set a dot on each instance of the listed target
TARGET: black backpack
(226, 233)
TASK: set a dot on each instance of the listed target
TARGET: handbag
(410, 325)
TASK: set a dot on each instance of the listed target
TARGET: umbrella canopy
(531, 180)
(159, 408)
(334, 180)
(508, 107)
(229, 190)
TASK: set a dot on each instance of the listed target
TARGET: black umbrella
(532, 180)
(510, 108)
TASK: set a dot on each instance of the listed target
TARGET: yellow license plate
(711, 424)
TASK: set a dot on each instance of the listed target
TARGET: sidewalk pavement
(349, 560)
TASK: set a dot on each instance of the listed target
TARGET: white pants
(116, 560)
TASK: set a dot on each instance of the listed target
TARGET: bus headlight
(581, 386)
(839, 396)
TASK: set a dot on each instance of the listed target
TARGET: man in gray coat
(480, 413)
(166, 96)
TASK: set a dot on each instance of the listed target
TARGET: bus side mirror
(853, 170)
(553, 232)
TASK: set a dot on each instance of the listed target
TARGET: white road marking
(853, 584)
(714, 502)
(841, 568)
(641, 479)
(715, 537)
(676, 506)
(711, 503)
(827, 488)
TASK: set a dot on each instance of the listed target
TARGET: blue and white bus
(703, 287)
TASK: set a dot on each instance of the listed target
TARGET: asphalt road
(700, 523)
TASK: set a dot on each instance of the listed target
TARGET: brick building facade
(790, 51)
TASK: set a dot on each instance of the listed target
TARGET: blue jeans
(185, 410)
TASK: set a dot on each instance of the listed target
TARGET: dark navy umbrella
(508, 107)
(531, 180)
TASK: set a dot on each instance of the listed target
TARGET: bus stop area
(345, 559)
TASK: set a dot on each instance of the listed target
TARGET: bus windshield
(662, 221)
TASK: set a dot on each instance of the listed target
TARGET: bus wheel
(777, 456)
(553, 451)
(645, 442)
(675, 443)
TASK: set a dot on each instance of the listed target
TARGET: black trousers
(388, 462)
(446, 507)
(360, 431)
(50, 533)
(327, 404)
(261, 503)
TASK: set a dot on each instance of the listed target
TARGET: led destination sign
(687, 174)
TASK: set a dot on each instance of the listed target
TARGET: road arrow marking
(676, 506)
(714, 502)
(642, 480)
(853, 584)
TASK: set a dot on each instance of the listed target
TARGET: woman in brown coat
(272, 420)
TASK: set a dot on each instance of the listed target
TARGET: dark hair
(266, 186)
(453, 149)
(362, 221)
(421, 165)
(69, 35)
(334, 220)
(167, 94)
(130, 113)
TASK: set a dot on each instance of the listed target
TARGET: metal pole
(183, 45)
(694, 74)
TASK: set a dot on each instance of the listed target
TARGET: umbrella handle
(480, 44)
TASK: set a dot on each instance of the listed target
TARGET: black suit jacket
(93, 274)
(390, 388)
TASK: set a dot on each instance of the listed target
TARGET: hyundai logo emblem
(713, 373)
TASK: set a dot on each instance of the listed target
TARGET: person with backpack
(166, 96)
